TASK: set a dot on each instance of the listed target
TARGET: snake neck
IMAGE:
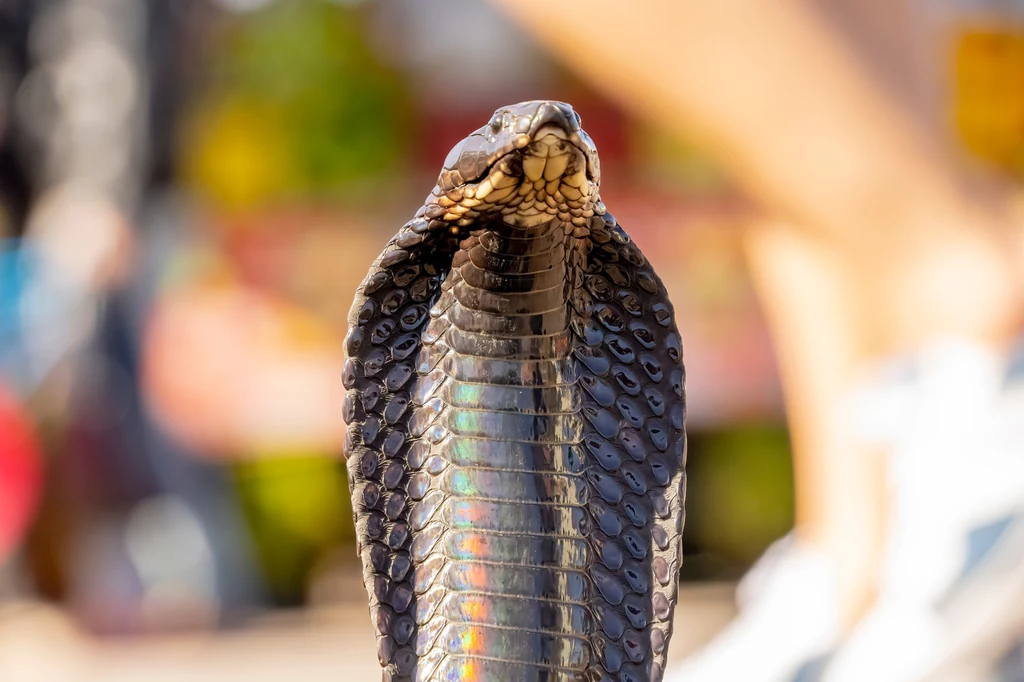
(510, 377)
(501, 519)
(508, 282)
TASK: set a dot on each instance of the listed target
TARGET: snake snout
(555, 115)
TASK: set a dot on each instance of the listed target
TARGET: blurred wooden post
(892, 249)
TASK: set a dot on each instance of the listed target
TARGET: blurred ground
(38, 644)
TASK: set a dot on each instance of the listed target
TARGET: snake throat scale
(515, 408)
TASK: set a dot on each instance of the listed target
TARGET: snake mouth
(531, 163)
(552, 141)
(546, 154)
(551, 154)
(545, 179)
(546, 162)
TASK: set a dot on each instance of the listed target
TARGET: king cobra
(514, 410)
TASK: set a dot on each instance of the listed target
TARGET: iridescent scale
(516, 454)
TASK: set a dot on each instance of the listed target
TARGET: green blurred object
(298, 510)
(298, 105)
(739, 491)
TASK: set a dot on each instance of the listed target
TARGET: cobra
(515, 423)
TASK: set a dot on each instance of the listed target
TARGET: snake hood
(530, 163)
(515, 423)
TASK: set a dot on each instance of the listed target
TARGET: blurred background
(190, 191)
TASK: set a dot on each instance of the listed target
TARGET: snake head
(530, 163)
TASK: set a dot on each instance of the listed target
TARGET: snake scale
(515, 408)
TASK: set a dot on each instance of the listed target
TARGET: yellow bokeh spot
(236, 154)
(988, 102)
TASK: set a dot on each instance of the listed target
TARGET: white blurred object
(243, 5)
(78, 240)
(84, 101)
(83, 106)
(488, 44)
(175, 563)
(949, 605)
(81, 234)
(953, 577)
(787, 615)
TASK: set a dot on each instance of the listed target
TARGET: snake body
(515, 411)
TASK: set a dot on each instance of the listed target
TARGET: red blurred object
(21, 474)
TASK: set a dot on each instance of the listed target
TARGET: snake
(515, 423)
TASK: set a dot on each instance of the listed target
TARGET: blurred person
(86, 92)
(894, 286)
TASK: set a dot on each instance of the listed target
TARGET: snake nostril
(550, 114)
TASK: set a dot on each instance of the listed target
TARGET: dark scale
(515, 419)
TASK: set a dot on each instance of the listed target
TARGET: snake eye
(496, 121)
